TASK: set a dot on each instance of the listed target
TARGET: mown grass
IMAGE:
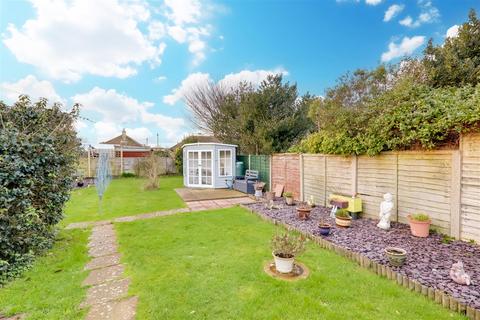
(51, 289)
(123, 197)
(209, 265)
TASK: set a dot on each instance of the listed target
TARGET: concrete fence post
(302, 196)
(456, 194)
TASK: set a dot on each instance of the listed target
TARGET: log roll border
(439, 296)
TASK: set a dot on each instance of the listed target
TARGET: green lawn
(123, 197)
(51, 289)
(209, 265)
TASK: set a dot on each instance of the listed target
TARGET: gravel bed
(428, 259)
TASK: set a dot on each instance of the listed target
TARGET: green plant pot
(396, 256)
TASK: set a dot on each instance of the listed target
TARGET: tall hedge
(39, 149)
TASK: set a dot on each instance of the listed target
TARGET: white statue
(458, 274)
(385, 211)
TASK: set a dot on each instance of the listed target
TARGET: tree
(457, 61)
(39, 150)
(266, 119)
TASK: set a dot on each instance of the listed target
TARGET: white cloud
(373, 2)
(452, 32)
(30, 86)
(160, 78)
(230, 80)
(406, 47)
(118, 109)
(407, 21)
(254, 77)
(184, 11)
(428, 14)
(156, 30)
(393, 11)
(191, 82)
(67, 39)
(177, 33)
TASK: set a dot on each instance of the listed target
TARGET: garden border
(439, 296)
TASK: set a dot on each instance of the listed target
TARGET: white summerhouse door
(200, 168)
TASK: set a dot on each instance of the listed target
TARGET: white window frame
(200, 185)
(231, 163)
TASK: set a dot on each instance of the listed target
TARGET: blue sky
(129, 62)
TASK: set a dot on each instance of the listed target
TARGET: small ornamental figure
(458, 274)
(385, 211)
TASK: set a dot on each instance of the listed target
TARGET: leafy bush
(410, 116)
(420, 217)
(288, 194)
(287, 245)
(342, 213)
(128, 175)
(38, 160)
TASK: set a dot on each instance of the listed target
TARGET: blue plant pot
(325, 229)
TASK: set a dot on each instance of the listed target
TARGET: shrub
(420, 217)
(128, 175)
(342, 213)
(39, 149)
(287, 245)
(288, 194)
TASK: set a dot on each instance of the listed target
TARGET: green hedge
(410, 116)
(38, 153)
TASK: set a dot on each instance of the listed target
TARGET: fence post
(270, 172)
(354, 175)
(455, 202)
(249, 157)
(325, 180)
(302, 198)
(396, 186)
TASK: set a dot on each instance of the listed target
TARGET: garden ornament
(458, 274)
(385, 211)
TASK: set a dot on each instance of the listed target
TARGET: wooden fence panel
(314, 178)
(470, 188)
(424, 185)
(375, 177)
(339, 175)
(286, 171)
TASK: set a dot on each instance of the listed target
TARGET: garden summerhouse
(208, 165)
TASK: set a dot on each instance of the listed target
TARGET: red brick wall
(286, 171)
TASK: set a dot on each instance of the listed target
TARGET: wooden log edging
(436, 295)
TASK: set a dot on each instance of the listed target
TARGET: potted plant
(396, 256)
(343, 218)
(324, 228)
(285, 248)
(419, 224)
(303, 210)
(288, 197)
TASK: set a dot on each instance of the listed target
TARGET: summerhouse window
(225, 163)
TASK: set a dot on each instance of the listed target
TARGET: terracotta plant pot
(343, 221)
(324, 229)
(419, 228)
(283, 265)
(289, 200)
(303, 213)
(396, 256)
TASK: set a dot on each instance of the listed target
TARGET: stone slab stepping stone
(105, 292)
(103, 250)
(101, 241)
(78, 225)
(103, 275)
(114, 310)
(103, 261)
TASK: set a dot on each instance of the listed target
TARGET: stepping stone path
(108, 288)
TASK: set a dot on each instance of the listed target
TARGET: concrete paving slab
(124, 309)
(105, 292)
(98, 276)
(103, 261)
